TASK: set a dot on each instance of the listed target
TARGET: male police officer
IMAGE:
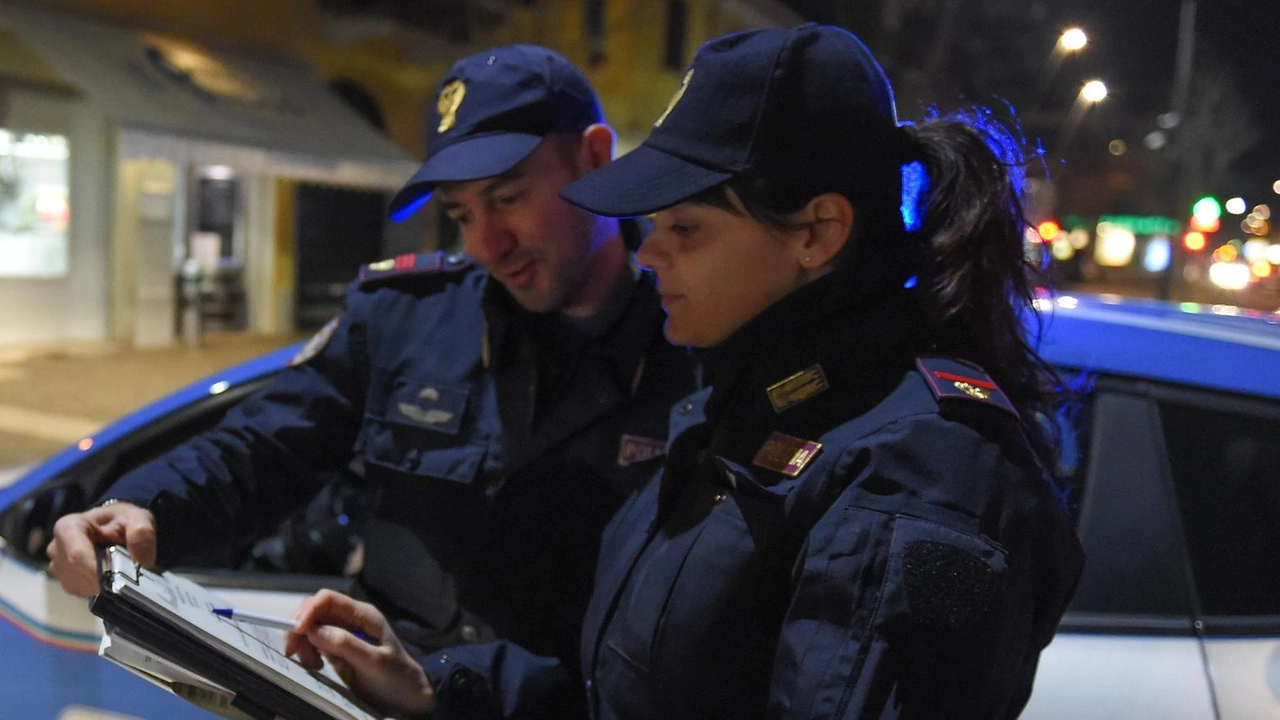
(499, 414)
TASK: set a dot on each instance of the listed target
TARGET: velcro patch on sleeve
(948, 589)
(953, 379)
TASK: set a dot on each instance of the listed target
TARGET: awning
(191, 102)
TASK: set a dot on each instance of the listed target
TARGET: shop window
(33, 204)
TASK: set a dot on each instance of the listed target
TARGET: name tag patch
(637, 449)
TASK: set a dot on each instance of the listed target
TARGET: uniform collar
(854, 337)
(623, 346)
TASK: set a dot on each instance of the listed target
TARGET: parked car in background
(1172, 463)
(1177, 477)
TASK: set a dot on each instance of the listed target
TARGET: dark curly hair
(962, 243)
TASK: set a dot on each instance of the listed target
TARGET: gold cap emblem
(450, 100)
(671, 104)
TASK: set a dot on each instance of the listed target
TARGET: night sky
(1134, 46)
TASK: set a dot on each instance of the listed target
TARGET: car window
(1226, 470)
(1135, 575)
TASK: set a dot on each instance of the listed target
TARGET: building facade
(233, 158)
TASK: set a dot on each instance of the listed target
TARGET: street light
(1073, 39)
(1091, 93)
(1094, 91)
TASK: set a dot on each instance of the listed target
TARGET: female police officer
(855, 522)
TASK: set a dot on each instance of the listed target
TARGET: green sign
(1144, 224)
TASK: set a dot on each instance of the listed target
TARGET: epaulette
(412, 265)
(953, 379)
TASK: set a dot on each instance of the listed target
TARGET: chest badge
(434, 407)
(636, 449)
(785, 454)
(792, 391)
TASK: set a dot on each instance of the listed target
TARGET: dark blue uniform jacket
(913, 568)
(496, 444)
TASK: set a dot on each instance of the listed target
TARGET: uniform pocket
(422, 428)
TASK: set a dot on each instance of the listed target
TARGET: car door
(1128, 645)
(49, 666)
(1224, 456)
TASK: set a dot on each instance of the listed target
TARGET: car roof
(1212, 346)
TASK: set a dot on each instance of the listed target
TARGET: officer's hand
(72, 558)
(380, 672)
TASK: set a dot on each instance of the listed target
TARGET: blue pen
(279, 623)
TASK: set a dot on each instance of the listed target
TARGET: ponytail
(976, 285)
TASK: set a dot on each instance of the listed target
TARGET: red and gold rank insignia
(785, 454)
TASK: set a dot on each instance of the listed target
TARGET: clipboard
(167, 622)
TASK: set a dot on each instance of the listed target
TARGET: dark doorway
(338, 231)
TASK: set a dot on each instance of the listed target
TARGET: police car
(1172, 460)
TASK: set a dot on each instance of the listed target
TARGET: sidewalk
(51, 397)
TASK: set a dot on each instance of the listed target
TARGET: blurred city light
(1276, 186)
(1079, 238)
(1236, 206)
(1273, 254)
(1154, 140)
(1261, 268)
(1117, 147)
(1157, 255)
(1048, 230)
(1226, 254)
(1094, 91)
(1207, 208)
(1255, 249)
(1073, 39)
(1115, 245)
(1262, 211)
(1230, 275)
(1205, 225)
(1194, 241)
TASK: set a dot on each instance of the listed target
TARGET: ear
(828, 221)
(597, 147)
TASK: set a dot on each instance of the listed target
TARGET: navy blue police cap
(492, 109)
(807, 101)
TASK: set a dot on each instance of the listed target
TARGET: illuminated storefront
(127, 155)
